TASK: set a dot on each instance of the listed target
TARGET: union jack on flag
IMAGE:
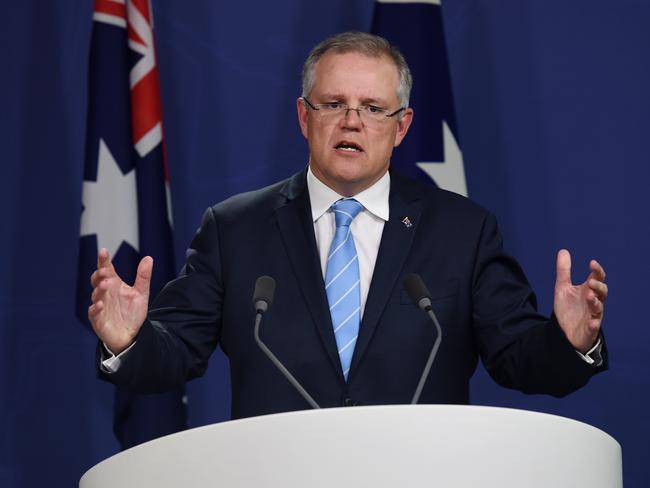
(126, 198)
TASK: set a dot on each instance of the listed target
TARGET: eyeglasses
(369, 114)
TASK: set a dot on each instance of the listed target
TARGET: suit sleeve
(184, 323)
(519, 347)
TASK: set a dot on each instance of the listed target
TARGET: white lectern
(390, 446)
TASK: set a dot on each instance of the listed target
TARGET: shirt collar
(374, 199)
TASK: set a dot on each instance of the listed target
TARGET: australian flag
(126, 201)
(432, 150)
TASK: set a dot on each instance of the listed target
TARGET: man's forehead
(355, 74)
(343, 57)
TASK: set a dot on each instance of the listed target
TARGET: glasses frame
(356, 109)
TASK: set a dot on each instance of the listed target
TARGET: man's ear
(403, 125)
(303, 116)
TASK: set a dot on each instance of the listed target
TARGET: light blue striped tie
(342, 282)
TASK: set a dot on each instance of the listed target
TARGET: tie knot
(345, 211)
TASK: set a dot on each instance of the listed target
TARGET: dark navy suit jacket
(480, 295)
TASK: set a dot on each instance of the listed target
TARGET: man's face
(345, 153)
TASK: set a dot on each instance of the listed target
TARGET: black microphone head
(417, 290)
(263, 294)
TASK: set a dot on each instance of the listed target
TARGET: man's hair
(363, 43)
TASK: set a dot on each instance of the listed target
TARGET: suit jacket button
(348, 402)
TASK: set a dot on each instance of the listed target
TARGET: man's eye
(373, 110)
(332, 106)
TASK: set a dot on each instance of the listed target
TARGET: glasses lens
(369, 115)
(373, 114)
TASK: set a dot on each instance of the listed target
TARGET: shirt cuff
(594, 355)
(110, 362)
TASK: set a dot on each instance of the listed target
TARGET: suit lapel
(396, 240)
(297, 230)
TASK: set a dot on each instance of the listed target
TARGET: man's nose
(352, 118)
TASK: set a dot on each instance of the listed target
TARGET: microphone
(263, 294)
(421, 297)
(262, 300)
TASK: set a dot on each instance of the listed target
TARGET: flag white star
(450, 173)
(110, 205)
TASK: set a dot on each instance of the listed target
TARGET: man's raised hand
(579, 308)
(118, 310)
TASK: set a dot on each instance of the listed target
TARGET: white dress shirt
(366, 228)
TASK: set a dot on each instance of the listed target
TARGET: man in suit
(338, 238)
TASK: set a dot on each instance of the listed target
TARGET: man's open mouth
(348, 146)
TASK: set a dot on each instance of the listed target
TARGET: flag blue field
(431, 151)
(126, 203)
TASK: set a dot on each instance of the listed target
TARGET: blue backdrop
(553, 113)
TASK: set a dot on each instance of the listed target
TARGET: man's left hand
(579, 308)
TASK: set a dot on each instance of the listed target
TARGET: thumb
(143, 277)
(563, 268)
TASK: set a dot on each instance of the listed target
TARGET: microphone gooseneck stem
(432, 355)
(279, 365)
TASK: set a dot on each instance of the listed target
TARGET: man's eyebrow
(373, 101)
(332, 96)
(364, 101)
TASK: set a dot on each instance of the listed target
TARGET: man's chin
(350, 183)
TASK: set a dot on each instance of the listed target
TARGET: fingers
(105, 268)
(103, 287)
(596, 306)
(103, 259)
(563, 268)
(95, 309)
(597, 271)
(143, 276)
(102, 279)
(105, 277)
(100, 275)
(594, 326)
(596, 283)
(599, 288)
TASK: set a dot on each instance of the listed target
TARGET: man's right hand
(118, 310)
